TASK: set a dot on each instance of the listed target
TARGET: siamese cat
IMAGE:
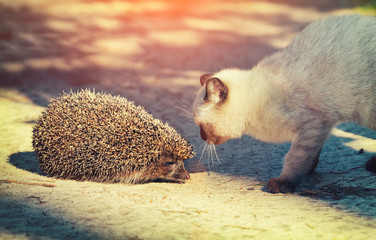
(325, 76)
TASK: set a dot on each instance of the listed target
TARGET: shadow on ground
(28, 218)
(26, 161)
(345, 184)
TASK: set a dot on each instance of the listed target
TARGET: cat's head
(217, 108)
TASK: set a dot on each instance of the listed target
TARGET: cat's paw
(278, 185)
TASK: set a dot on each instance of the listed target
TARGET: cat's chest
(269, 126)
(271, 134)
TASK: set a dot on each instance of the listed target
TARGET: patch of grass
(366, 7)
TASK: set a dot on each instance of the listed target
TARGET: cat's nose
(203, 134)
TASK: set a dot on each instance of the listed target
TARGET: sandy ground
(153, 52)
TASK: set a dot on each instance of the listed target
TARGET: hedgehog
(99, 137)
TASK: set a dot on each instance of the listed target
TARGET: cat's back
(336, 52)
(332, 61)
(341, 45)
(346, 34)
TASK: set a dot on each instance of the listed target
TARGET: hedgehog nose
(185, 175)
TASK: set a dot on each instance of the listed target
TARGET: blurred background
(144, 48)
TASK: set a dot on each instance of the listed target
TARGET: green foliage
(367, 7)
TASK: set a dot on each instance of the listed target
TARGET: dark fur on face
(215, 93)
(167, 169)
(207, 134)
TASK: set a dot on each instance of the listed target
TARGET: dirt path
(153, 52)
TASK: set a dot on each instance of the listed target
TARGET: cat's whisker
(212, 155)
(216, 155)
(183, 110)
(204, 148)
(209, 155)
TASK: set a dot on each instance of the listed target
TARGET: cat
(325, 76)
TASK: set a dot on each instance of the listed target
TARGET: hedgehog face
(169, 169)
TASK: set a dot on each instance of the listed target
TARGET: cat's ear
(216, 91)
(204, 78)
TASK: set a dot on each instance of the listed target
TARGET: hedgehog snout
(184, 175)
(178, 171)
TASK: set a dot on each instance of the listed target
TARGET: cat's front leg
(301, 159)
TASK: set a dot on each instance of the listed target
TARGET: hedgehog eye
(169, 163)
